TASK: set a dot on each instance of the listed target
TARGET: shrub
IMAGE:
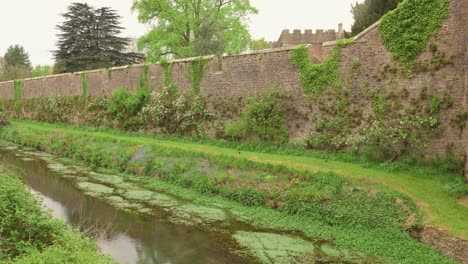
(124, 106)
(261, 119)
(170, 112)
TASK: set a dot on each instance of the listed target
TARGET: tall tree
(368, 12)
(15, 64)
(89, 39)
(185, 28)
(17, 56)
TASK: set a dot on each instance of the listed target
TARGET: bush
(170, 112)
(125, 106)
(260, 119)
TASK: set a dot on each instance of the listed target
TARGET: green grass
(28, 234)
(439, 208)
(104, 149)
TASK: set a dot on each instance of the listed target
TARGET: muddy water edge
(135, 225)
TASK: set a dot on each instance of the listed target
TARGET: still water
(130, 238)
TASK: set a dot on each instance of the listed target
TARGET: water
(131, 238)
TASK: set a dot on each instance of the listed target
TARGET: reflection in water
(133, 238)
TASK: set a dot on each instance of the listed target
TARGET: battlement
(296, 37)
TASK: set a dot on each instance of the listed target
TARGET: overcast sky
(31, 23)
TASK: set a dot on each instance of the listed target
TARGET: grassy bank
(424, 185)
(277, 191)
(28, 234)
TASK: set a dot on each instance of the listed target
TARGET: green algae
(191, 214)
(59, 168)
(275, 248)
(126, 186)
(95, 188)
(162, 200)
(114, 199)
(145, 211)
(139, 195)
(104, 178)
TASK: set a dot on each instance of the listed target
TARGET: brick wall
(245, 74)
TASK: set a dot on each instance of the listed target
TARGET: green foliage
(167, 68)
(316, 78)
(30, 235)
(460, 120)
(124, 106)
(317, 196)
(246, 196)
(399, 130)
(355, 64)
(457, 188)
(17, 56)
(335, 125)
(17, 91)
(42, 70)
(143, 81)
(170, 111)
(198, 68)
(8, 72)
(187, 28)
(406, 30)
(84, 85)
(261, 119)
(259, 44)
(368, 12)
(89, 39)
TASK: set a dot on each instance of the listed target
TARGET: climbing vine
(198, 68)
(143, 82)
(84, 85)
(17, 87)
(316, 78)
(167, 68)
(406, 30)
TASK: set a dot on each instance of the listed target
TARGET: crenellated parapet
(297, 36)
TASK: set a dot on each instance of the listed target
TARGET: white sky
(31, 23)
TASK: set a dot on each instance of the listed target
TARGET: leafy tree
(89, 39)
(259, 44)
(185, 28)
(368, 12)
(14, 72)
(15, 64)
(17, 56)
(42, 70)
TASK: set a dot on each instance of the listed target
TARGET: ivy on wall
(17, 87)
(198, 68)
(316, 78)
(84, 85)
(406, 30)
(167, 68)
(143, 81)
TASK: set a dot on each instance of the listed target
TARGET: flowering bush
(170, 111)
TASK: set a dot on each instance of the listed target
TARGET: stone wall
(374, 59)
(241, 75)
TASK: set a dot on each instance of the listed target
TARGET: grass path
(440, 209)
